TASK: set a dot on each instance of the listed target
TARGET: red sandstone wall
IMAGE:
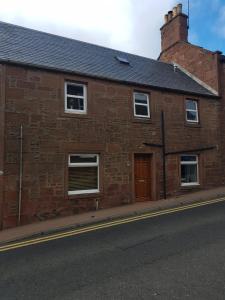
(198, 61)
(2, 108)
(206, 66)
(222, 117)
(181, 135)
(2, 116)
(35, 99)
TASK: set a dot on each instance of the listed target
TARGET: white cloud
(128, 25)
(147, 20)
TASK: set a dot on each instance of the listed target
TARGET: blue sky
(207, 23)
(128, 25)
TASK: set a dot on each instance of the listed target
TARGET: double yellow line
(52, 237)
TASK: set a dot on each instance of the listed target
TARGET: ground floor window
(189, 170)
(83, 174)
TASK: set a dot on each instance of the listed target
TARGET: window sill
(190, 186)
(75, 112)
(74, 115)
(142, 120)
(89, 192)
(193, 125)
(84, 196)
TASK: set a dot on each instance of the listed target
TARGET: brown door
(142, 175)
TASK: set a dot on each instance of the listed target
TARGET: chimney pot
(179, 8)
(166, 18)
(170, 15)
(175, 11)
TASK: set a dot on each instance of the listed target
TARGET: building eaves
(19, 45)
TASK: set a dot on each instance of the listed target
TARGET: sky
(128, 25)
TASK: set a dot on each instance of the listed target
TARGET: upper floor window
(189, 170)
(192, 111)
(75, 98)
(141, 105)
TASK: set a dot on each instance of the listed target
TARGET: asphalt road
(176, 256)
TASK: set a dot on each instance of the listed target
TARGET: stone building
(83, 127)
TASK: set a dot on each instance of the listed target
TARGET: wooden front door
(142, 177)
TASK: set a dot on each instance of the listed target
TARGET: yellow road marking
(52, 237)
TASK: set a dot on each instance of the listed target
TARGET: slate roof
(48, 51)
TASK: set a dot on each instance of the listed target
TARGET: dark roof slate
(32, 47)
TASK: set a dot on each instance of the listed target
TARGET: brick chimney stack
(175, 28)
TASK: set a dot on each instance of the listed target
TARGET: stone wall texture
(200, 62)
(35, 99)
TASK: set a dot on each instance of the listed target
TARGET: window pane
(190, 104)
(76, 90)
(137, 101)
(83, 159)
(189, 158)
(75, 103)
(189, 173)
(192, 116)
(81, 178)
(123, 59)
(141, 110)
(140, 96)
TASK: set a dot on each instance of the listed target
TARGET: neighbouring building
(83, 127)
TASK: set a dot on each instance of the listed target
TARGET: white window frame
(84, 97)
(192, 110)
(93, 164)
(190, 163)
(142, 104)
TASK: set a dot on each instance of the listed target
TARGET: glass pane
(137, 101)
(123, 59)
(141, 110)
(75, 103)
(192, 116)
(140, 96)
(189, 173)
(188, 158)
(83, 159)
(76, 90)
(190, 104)
(81, 178)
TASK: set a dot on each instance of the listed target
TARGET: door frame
(152, 171)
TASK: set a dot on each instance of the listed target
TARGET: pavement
(65, 223)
